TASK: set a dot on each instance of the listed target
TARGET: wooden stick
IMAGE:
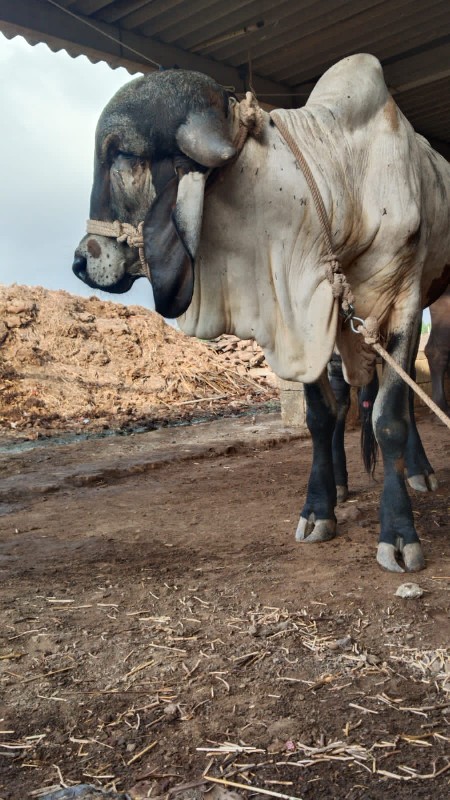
(251, 788)
(141, 753)
(199, 400)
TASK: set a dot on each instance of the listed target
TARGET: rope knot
(333, 267)
(251, 115)
(370, 329)
(132, 236)
(340, 287)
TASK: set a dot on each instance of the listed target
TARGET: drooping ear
(171, 236)
(205, 137)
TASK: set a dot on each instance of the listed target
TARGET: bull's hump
(354, 89)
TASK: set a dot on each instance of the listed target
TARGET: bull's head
(155, 143)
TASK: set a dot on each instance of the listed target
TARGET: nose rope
(123, 232)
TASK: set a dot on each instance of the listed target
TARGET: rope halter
(123, 232)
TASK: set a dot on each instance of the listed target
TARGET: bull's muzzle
(105, 267)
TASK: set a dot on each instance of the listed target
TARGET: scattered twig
(142, 753)
(251, 788)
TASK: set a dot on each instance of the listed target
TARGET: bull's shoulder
(436, 170)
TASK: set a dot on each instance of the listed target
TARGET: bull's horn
(204, 137)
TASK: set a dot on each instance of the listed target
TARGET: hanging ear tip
(168, 254)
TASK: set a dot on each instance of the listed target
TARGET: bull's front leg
(318, 521)
(341, 391)
(398, 537)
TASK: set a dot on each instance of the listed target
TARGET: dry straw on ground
(155, 681)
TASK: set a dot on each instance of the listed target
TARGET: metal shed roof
(280, 47)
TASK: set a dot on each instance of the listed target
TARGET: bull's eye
(127, 161)
(130, 186)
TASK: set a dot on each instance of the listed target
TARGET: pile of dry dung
(244, 356)
(69, 363)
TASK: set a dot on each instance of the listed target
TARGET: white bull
(250, 256)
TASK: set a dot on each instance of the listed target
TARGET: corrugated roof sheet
(281, 47)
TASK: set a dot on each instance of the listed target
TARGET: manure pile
(71, 364)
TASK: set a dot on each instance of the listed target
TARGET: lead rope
(368, 328)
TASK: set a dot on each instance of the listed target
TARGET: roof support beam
(38, 20)
(409, 72)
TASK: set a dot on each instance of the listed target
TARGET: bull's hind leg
(398, 537)
(420, 473)
(438, 357)
(317, 521)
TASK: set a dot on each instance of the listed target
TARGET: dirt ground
(159, 622)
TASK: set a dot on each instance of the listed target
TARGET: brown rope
(369, 328)
(340, 286)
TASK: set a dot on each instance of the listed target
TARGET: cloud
(50, 105)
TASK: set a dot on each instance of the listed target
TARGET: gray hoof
(312, 530)
(411, 554)
(423, 483)
(413, 557)
(433, 482)
(386, 557)
(341, 494)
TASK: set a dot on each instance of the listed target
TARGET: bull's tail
(369, 447)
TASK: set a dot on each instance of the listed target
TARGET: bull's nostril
(79, 267)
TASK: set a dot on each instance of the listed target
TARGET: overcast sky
(50, 104)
